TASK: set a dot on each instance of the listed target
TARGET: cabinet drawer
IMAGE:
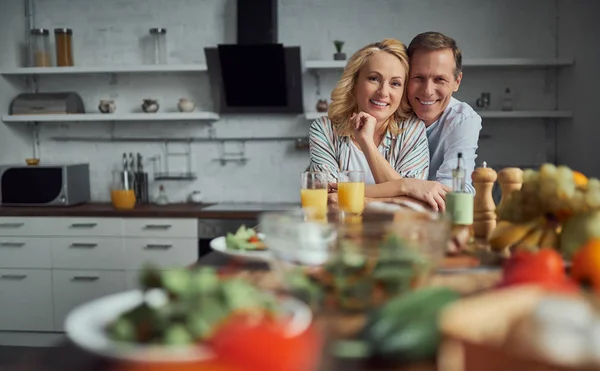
(161, 252)
(26, 300)
(26, 226)
(87, 253)
(109, 227)
(73, 288)
(19, 252)
(161, 228)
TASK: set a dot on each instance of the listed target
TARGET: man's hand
(431, 192)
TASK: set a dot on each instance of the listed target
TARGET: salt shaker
(484, 208)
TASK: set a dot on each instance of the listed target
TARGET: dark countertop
(175, 210)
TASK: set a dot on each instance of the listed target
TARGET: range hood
(257, 74)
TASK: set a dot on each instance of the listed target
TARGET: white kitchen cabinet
(161, 228)
(26, 300)
(166, 253)
(50, 265)
(26, 226)
(25, 252)
(72, 288)
(88, 253)
(106, 227)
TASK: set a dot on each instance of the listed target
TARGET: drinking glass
(314, 192)
(122, 192)
(351, 191)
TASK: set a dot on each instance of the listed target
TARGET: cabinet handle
(12, 244)
(83, 245)
(157, 226)
(86, 278)
(158, 247)
(13, 276)
(11, 225)
(84, 225)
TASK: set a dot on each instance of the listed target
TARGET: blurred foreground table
(460, 273)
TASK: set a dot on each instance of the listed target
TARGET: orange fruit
(581, 180)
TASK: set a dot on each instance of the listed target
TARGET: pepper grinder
(510, 179)
(484, 208)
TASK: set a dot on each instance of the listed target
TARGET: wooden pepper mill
(484, 207)
(510, 179)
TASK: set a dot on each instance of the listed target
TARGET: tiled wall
(112, 32)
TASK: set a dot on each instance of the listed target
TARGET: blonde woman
(371, 127)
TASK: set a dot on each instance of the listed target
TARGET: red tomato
(544, 267)
(263, 346)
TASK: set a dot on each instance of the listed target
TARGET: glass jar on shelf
(158, 47)
(63, 40)
(40, 48)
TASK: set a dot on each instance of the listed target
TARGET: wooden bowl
(32, 161)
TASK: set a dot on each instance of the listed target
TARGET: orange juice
(351, 197)
(315, 199)
(122, 199)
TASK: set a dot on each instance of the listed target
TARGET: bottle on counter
(507, 100)
(162, 198)
(459, 204)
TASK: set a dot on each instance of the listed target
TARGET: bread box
(46, 104)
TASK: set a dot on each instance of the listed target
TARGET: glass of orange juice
(351, 191)
(122, 193)
(314, 192)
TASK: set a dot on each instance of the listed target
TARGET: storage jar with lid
(63, 38)
(159, 45)
(40, 53)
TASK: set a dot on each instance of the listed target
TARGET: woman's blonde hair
(343, 103)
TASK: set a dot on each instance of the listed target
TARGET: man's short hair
(436, 41)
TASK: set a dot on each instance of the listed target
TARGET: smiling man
(452, 126)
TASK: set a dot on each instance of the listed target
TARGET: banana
(507, 234)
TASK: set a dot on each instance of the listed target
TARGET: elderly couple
(393, 116)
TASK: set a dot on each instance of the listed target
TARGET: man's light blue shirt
(457, 130)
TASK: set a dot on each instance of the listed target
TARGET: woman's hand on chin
(364, 128)
(430, 192)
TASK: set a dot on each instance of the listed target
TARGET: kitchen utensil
(141, 182)
(195, 197)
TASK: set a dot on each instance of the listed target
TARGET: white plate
(85, 326)
(219, 244)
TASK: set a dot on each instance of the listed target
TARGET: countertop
(175, 210)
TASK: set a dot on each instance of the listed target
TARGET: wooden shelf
(169, 116)
(524, 114)
(159, 68)
(488, 114)
(475, 62)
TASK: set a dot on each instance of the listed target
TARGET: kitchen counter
(175, 210)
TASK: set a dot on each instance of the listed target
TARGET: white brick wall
(112, 32)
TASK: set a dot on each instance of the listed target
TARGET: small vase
(339, 56)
